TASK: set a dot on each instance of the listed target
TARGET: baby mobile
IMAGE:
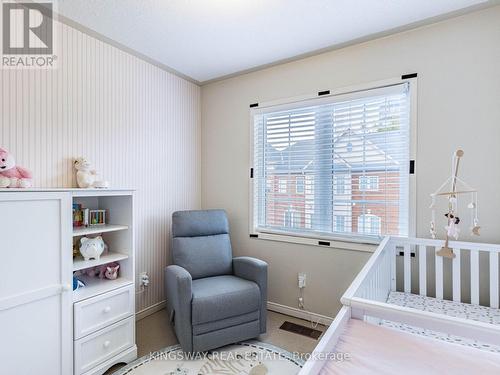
(457, 188)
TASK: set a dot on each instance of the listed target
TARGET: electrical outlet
(144, 279)
(302, 280)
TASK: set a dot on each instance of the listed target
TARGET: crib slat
(474, 277)
(422, 269)
(393, 269)
(407, 268)
(494, 280)
(439, 275)
(456, 276)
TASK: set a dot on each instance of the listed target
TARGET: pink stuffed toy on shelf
(12, 176)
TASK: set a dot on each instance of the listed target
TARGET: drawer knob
(106, 310)
(106, 343)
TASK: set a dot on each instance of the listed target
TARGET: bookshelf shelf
(84, 231)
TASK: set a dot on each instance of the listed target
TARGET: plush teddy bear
(12, 176)
(85, 175)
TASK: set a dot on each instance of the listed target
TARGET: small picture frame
(77, 215)
(97, 217)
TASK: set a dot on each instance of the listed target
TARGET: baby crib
(411, 264)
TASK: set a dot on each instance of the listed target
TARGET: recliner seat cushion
(221, 297)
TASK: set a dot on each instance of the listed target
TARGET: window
(369, 224)
(282, 185)
(347, 156)
(340, 223)
(300, 185)
(368, 183)
(340, 184)
(292, 219)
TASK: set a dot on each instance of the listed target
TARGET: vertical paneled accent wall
(139, 124)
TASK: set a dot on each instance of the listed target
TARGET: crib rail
(473, 262)
(368, 293)
(377, 277)
(466, 263)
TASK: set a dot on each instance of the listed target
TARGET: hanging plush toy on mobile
(457, 188)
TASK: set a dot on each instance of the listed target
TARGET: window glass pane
(340, 166)
(299, 185)
(340, 223)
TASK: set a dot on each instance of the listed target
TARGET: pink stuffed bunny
(111, 271)
(12, 176)
(108, 271)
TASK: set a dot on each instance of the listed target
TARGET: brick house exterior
(367, 201)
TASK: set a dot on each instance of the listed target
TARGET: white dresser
(46, 328)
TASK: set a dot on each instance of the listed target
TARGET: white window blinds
(334, 166)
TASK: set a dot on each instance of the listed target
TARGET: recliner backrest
(201, 243)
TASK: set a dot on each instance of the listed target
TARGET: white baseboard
(272, 306)
(298, 313)
(150, 310)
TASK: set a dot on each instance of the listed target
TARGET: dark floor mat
(301, 330)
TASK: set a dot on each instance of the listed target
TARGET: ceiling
(209, 39)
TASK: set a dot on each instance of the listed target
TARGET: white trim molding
(301, 314)
(271, 306)
(328, 242)
(144, 313)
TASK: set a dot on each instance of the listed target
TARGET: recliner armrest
(178, 287)
(254, 270)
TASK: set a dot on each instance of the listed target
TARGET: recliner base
(226, 336)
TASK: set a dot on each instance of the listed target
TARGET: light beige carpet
(154, 333)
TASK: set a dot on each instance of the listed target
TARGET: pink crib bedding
(378, 350)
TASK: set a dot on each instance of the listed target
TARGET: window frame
(371, 217)
(302, 180)
(336, 180)
(337, 221)
(338, 242)
(294, 218)
(282, 186)
(368, 186)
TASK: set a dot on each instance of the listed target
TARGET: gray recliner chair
(213, 299)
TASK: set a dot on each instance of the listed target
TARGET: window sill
(367, 246)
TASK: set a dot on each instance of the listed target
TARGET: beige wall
(139, 124)
(458, 64)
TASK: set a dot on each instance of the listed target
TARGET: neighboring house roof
(350, 151)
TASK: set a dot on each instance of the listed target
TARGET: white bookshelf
(117, 233)
(102, 298)
(96, 229)
(95, 286)
(79, 263)
(83, 319)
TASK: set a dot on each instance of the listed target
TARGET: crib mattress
(449, 308)
(379, 350)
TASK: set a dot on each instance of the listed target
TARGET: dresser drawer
(102, 345)
(98, 312)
